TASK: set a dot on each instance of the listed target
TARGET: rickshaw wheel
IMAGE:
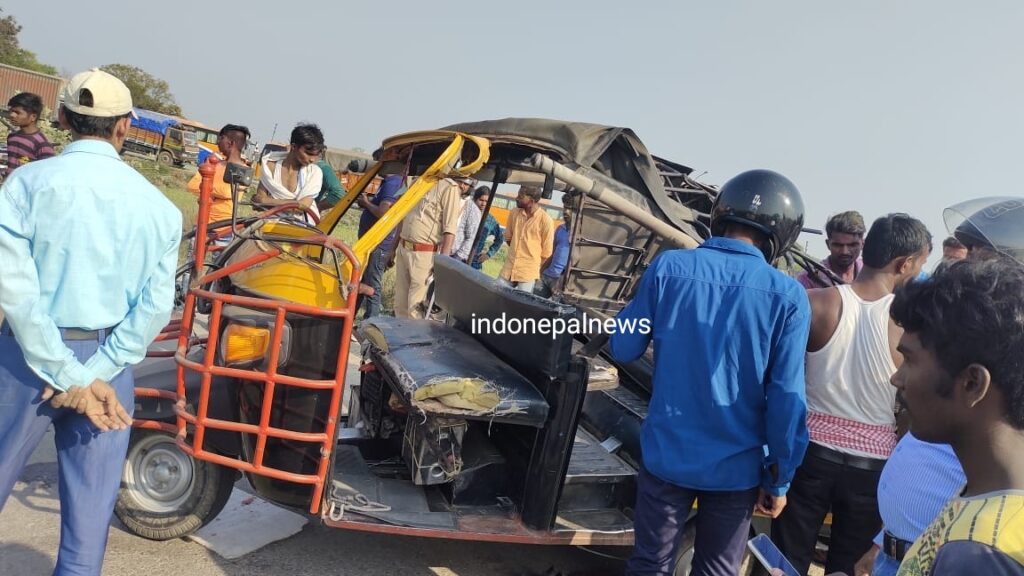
(165, 493)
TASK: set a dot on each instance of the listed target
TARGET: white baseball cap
(110, 97)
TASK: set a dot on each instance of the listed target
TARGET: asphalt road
(29, 534)
(30, 527)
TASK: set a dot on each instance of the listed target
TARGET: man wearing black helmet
(729, 333)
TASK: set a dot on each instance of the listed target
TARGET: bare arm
(263, 197)
(372, 208)
(826, 308)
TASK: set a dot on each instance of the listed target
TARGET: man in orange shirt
(230, 142)
(531, 235)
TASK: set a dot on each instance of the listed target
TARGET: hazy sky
(875, 106)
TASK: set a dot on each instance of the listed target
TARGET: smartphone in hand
(770, 557)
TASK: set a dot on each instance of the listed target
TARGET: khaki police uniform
(422, 231)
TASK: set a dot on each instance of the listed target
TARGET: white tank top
(850, 401)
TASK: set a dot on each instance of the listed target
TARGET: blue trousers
(375, 267)
(723, 524)
(885, 565)
(89, 462)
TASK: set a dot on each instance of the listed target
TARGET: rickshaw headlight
(245, 343)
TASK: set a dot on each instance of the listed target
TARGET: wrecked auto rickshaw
(451, 431)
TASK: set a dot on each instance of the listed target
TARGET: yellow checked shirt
(530, 240)
(984, 534)
(437, 214)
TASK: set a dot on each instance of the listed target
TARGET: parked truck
(14, 80)
(163, 136)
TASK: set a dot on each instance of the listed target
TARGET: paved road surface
(29, 533)
(29, 527)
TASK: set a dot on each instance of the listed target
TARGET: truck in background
(206, 138)
(14, 80)
(163, 136)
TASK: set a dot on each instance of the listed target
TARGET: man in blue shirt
(551, 273)
(491, 228)
(89, 250)
(373, 209)
(729, 334)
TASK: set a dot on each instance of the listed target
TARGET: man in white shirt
(293, 176)
(469, 221)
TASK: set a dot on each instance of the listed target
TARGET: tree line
(148, 91)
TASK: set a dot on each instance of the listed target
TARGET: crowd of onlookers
(446, 222)
(450, 221)
(892, 401)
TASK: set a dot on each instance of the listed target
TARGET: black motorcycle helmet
(995, 222)
(764, 200)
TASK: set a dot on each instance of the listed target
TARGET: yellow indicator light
(245, 343)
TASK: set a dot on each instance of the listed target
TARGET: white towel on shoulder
(310, 180)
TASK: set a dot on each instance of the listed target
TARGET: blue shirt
(85, 242)
(559, 254)
(491, 228)
(388, 191)
(918, 480)
(730, 333)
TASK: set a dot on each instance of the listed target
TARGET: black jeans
(852, 495)
(723, 523)
(545, 286)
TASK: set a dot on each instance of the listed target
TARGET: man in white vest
(851, 354)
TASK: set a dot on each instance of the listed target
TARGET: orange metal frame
(199, 422)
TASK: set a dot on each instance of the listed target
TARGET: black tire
(164, 492)
(165, 158)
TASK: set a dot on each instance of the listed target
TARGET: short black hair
(307, 135)
(849, 222)
(481, 191)
(972, 313)
(84, 125)
(238, 129)
(27, 101)
(531, 191)
(894, 236)
(952, 242)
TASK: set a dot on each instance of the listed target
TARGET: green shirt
(332, 191)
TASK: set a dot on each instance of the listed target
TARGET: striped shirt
(917, 481)
(24, 148)
(469, 221)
